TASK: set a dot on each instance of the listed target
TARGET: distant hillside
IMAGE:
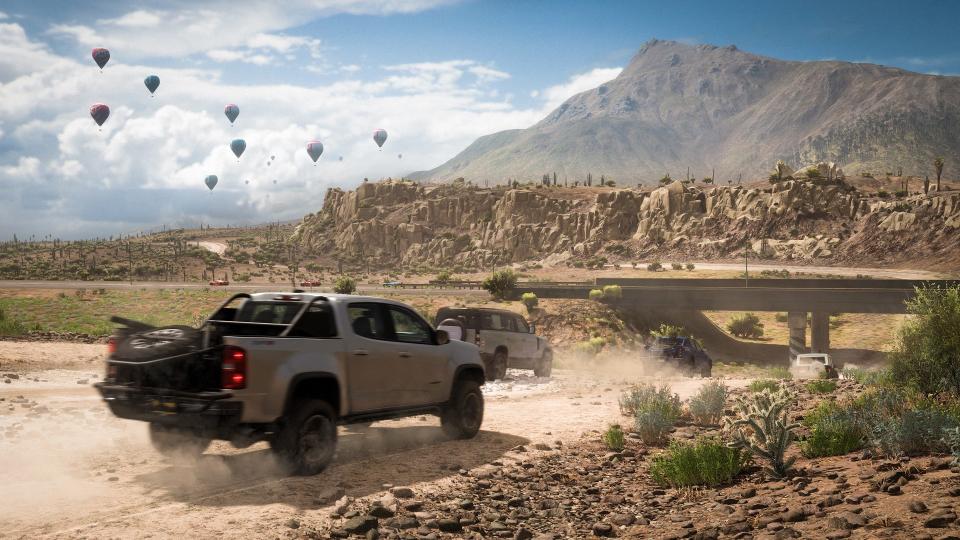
(677, 106)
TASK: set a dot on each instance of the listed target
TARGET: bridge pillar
(820, 332)
(797, 322)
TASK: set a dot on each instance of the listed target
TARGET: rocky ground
(536, 470)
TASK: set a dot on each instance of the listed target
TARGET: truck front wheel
(463, 415)
(308, 439)
(177, 443)
(544, 366)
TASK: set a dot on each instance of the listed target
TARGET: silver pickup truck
(288, 368)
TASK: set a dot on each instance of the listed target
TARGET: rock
(292, 523)
(449, 525)
(360, 524)
(918, 507)
(380, 511)
(402, 492)
(602, 529)
(621, 519)
(523, 534)
(940, 521)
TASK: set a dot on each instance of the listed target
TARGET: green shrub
(500, 283)
(747, 325)
(691, 267)
(345, 285)
(762, 426)
(654, 267)
(915, 431)
(596, 294)
(834, 431)
(668, 330)
(706, 462)
(612, 292)
(951, 438)
(444, 277)
(654, 410)
(530, 301)
(868, 377)
(760, 385)
(614, 438)
(706, 406)
(821, 386)
(676, 266)
(780, 373)
(10, 327)
(590, 347)
(928, 345)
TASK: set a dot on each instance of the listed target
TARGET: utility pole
(746, 268)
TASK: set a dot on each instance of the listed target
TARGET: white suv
(505, 340)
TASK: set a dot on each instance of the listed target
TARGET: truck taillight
(233, 368)
(111, 345)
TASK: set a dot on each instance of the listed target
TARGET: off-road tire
(706, 370)
(498, 366)
(463, 415)
(177, 443)
(159, 342)
(307, 440)
(544, 366)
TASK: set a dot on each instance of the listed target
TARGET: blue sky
(435, 73)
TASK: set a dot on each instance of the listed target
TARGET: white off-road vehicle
(505, 339)
(288, 368)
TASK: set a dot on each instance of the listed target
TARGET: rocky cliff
(409, 223)
(719, 108)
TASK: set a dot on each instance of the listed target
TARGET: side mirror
(442, 337)
(533, 328)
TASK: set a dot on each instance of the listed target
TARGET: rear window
(268, 312)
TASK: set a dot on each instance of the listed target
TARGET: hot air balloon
(211, 181)
(274, 182)
(399, 156)
(232, 112)
(273, 158)
(268, 164)
(341, 158)
(247, 182)
(101, 57)
(380, 137)
(100, 113)
(238, 146)
(152, 82)
(314, 149)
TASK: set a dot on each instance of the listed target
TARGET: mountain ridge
(706, 107)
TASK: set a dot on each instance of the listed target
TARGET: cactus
(762, 427)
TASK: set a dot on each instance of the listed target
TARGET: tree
(666, 179)
(928, 344)
(813, 173)
(938, 167)
(708, 180)
(444, 276)
(530, 300)
(500, 283)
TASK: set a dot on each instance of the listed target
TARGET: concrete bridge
(796, 297)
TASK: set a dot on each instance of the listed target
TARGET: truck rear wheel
(307, 441)
(544, 366)
(498, 367)
(463, 415)
(177, 443)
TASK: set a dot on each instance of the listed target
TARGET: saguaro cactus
(763, 428)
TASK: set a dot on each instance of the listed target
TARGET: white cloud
(3, 16)
(135, 19)
(554, 96)
(60, 174)
(350, 68)
(218, 24)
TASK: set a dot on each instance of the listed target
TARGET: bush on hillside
(706, 406)
(654, 410)
(530, 301)
(596, 294)
(613, 437)
(345, 285)
(747, 325)
(612, 292)
(500, 283)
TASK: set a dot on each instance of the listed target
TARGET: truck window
(409, 328)
(366, 320)
(492, 321)
(317, 322)
(268, 312)
(520, 325)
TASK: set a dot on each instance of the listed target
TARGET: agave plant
(762, 427)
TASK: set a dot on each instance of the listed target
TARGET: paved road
(885, 273)
(252, 287)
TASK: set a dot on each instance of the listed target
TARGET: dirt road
(70, 469)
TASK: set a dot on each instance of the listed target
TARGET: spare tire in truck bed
(159, 342)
